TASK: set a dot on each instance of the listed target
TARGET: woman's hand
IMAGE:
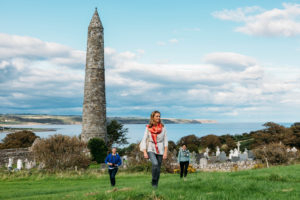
(146, 155)
(165, 156)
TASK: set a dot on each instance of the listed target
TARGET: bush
(273, 153)
(98, 149)
(61, 152)
(137, 162)
(20, 139)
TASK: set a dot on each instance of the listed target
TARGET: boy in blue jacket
(113, 160)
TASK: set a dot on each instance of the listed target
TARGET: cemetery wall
(19, 153)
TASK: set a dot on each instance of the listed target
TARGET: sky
(230, 61)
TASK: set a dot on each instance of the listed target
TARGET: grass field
(275, 183)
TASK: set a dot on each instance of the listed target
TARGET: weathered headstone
(230, 154)
(19, 164)
(235, 159)
(222, 157)
(294, 150)
(213, 159)
(243, 157)
(206, 153)
(10, 163)
(251, 155)
(203, 163)
(193, 158)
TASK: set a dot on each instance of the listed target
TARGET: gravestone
(251, 155)
(235, 153)
(243, 156)
(19, 164)
(198, 156)
(213, 159)
(218, 151)
(193, 158)
(206, 153)
(10, 163)
(294, 150)
(235, 159)
(230, 154)
(222, 157)
(28, 164)
(203, 163)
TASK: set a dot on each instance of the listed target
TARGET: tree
(210, 141)
(189, 139)
(295, 139)
(273, 153)
(116, 133)
(98, 149)
(20, 139)
(172, 146)
(273, 133)
(192, 143)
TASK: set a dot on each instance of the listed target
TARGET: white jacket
(162, 142)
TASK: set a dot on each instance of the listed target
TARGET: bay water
(174, 131)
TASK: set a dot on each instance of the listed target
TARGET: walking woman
(154, 145)
(113, 161)
(184, 160)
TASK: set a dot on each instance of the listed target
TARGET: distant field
(76, 119)
(275, 183)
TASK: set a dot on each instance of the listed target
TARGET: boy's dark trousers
(183, 168)
(112, 175)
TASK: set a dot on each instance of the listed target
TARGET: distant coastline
(30, 119)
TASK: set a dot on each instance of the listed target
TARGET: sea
(174, 131)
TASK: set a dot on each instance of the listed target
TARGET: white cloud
(274, 22)
(173, 41)
(229, 60)
(225, 84)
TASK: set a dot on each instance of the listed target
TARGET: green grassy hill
(275, 183)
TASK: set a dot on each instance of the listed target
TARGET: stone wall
(19, 153)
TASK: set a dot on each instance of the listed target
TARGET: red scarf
(155, 130)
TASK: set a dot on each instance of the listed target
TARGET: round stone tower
(94, 104)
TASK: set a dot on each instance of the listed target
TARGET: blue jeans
(156, 161)
(112, 175)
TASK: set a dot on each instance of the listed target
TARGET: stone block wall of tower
(94, 105)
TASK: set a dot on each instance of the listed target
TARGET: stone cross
(235, 153)
(238, 146)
